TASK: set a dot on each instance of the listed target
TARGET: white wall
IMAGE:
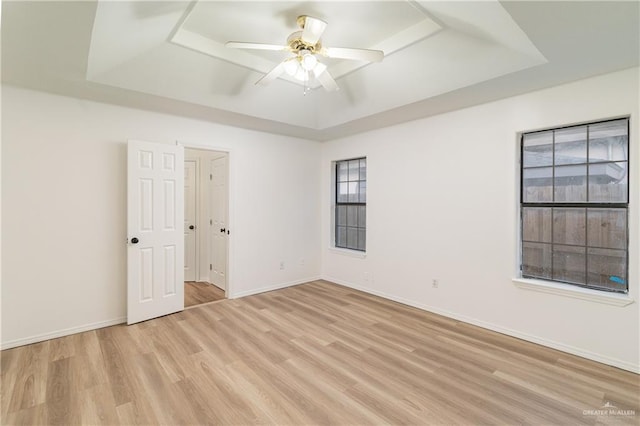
(442, 203)
(64, 204)
(64, 209)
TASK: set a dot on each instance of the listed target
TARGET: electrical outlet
(301, 262)
(282, 264)
(367, 277)
(434, 283)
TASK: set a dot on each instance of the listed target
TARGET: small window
(574, 205)
(351, 204)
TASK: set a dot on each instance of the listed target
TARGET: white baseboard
(271, 288)
(93, 326)
(634, 368)
(61, 333)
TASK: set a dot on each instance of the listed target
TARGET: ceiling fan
(305, 44)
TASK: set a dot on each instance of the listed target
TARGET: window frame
(346, 204)
(585, 205)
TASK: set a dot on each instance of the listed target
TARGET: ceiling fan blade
(357, 54)
(312, 29)
(271, 75)
(259, 46)
(323, 76)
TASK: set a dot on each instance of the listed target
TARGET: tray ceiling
(170, 56)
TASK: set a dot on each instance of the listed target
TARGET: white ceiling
(439, 56)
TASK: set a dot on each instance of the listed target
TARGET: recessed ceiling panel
(177, 50)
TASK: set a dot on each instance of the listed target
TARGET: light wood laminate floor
(317, 353)
(196, 293)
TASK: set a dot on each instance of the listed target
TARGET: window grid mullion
(336, 214)
(553, 198)
(586, 217)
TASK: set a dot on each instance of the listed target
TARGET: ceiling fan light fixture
(305, 44)
(291, 66)
(308, 60)
(301, 74)
(319, 69)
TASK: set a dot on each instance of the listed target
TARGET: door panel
(146, 274)
(219, 209)
(155, 197)
(190, 196)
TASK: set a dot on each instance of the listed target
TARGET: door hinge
(210, 176)
(210, 267)
(210, 221)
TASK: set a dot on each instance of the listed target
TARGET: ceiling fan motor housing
(296, 44)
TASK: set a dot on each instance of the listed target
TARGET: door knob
(134, 240)
(192, 227)
(222, 230)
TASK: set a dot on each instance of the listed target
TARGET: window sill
(615, 299)
(350, 253)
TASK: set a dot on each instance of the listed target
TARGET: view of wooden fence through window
(574, 203)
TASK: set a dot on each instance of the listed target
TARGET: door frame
(229, 291)
(196, 263)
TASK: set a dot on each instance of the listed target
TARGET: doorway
(206, 230)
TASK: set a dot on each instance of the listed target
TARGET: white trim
(615, 299)
(271, 288)
(197, 215)
(347, 252)
(634, 368)
(61, 333)
(203, 146)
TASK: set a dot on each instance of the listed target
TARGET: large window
(351, 204)
(574, 205)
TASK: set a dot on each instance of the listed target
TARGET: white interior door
(220, 228)
(190, 255)
(155, 210)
